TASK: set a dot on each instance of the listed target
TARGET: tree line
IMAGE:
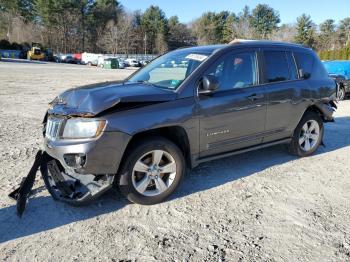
(105, 26)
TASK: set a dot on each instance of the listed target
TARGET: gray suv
(215, 101)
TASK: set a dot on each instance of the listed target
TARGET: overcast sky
(289, 10)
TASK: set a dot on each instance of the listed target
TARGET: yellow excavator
(35, 53)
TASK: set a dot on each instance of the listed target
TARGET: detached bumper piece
(22, 193)
(73, 189)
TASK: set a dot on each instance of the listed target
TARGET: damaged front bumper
(75, 171)
(74, 189)
(100, 155)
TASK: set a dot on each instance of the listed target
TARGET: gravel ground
(259, 206)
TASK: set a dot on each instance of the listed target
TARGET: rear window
(277, 68)
(305, 62)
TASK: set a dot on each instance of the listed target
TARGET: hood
(93, 99)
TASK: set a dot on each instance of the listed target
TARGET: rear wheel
(308, 135)
(341, 93)
(152, 171)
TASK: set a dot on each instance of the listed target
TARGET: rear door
(234, 116)
(285, 93)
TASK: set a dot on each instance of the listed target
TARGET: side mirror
(208, 85)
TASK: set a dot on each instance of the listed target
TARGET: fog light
(75, 160)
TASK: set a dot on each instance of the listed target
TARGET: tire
(341, 93)
(304, 142)
(151, 190)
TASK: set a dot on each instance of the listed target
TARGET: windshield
(171, 69)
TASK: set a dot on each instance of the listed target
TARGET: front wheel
(308, 135)
(152, 171)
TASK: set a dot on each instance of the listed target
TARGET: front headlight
(83, 128)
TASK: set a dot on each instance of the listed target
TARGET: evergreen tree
(264, 20)
(305, 31)
(154, 25)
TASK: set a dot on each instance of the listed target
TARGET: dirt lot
(259, 206)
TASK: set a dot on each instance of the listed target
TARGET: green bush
(340, 54)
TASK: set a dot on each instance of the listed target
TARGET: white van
(90, 58)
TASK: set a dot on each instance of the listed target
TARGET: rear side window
(319, 70)
(305, 62)
(277, 68)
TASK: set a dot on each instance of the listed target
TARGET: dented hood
(93, 99)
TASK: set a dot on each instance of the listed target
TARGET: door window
(276, 64)
(235, 71)
(305, 62)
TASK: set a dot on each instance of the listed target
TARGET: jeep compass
(141, 134)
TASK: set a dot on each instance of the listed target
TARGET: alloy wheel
(341, 94)
(309, 135)
(153, 173)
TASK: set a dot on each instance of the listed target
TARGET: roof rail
(238, 40)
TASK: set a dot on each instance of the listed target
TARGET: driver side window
(237, 70)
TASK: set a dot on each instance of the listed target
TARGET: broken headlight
(83, 128)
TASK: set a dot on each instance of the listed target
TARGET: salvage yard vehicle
(340, 71)
(35, 53)
(132, 62)
(90, 59)
(121, 63)
(141, 134)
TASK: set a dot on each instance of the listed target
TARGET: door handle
(254, 97)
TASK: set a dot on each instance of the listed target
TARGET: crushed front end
(84, 158)
(79, 161)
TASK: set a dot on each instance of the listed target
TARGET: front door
(234, 116)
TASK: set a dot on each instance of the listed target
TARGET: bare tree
(285, 33)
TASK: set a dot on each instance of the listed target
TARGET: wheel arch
(324, 110)
(316, 109)
(176, 134)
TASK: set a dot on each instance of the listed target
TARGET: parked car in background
(64, 58)
(132, 62)
(69, 59)
(141, 134)
(59, 58)
(144, 62)
(122, 63)
(168, 64)
(49, 55)
(77, 58)
(340, 71)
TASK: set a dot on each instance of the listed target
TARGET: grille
(53, 128)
